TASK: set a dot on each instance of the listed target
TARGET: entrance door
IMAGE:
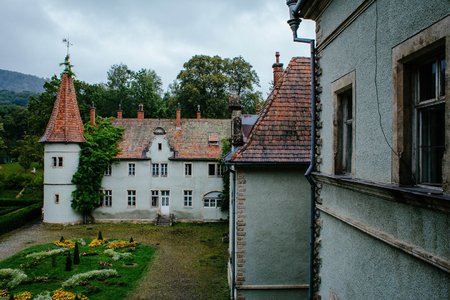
(165, 203)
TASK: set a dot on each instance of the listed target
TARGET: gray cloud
(160, 35)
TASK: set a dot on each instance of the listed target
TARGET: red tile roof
(282, 132)
(190, 142)
(65, 125)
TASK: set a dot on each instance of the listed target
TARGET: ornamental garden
(75, 269)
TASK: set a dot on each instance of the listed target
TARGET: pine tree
(76, 255)
(68, 262)
(100, 236)
(131, 240)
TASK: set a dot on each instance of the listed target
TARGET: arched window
(212, 199)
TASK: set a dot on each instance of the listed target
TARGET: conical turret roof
(65, 124)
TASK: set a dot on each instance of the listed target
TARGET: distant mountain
(19, 82)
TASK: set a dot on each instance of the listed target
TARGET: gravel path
(24, 237)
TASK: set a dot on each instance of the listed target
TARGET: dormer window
(213, 139)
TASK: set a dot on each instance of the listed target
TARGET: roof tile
(65, 124)
(282, 132)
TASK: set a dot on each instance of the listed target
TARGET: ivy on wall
(97, 153)
(226, 148)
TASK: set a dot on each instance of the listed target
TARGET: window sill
(421, 196)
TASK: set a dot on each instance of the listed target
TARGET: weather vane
(68, 43)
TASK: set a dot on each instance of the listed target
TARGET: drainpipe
(233, 233)
(294, 23)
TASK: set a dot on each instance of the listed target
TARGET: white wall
(58, 180)
(175, 181)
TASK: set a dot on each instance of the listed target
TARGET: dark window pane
(431, 146)
(211, 169)
(427, 81)
(442, 77)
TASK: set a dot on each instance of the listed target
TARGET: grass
(46, 277)
(190, 261)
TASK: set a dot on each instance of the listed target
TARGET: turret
(62, 139)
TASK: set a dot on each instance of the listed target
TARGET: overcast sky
(152, 34)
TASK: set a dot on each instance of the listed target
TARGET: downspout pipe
(233, 234)
(294, 23)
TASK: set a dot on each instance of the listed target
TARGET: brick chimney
(119, 112)
(234, 104)
(198, 113)
(178, 118)
(277, 69)
(92, 114)
(140, 113)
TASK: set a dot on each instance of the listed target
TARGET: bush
(19, 217)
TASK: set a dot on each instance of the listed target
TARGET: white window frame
(165, 197)
(57, 161)
(108, 171)
(155, 169)
(188, 168)
(131, 198)
(187, 198)
(164, 169)
(107, 198)
(212, 202)
(217, 170)
(154, 196)
(131, 169)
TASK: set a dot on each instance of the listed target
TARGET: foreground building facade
(269, 207)
(382, 148)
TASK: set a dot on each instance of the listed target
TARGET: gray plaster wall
(354, 50)
(358, 266)
(355, 265)
(277, 209)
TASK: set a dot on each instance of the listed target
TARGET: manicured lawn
(50, 274)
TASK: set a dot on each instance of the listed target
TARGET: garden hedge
(19, 217)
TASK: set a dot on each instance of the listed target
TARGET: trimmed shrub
(68, 262)
(19, 217)
(76, 255)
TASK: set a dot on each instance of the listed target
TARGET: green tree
(97, 153)
(129, 89)
(41, 107)
(29, 151)
(209, 81)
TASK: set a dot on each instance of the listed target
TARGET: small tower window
(159, 146)
(56, 198)
(57, 161)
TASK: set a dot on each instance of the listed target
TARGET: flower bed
(47, 272)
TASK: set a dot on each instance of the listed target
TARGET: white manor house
(166, 167)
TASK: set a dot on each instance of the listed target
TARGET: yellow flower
(65, 243)
(3, 292)
(23, 296)
(96, 242)
(61, 294)
(121, 244)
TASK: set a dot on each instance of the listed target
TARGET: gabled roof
(282, 132)
(65, 124)
(189, 142)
